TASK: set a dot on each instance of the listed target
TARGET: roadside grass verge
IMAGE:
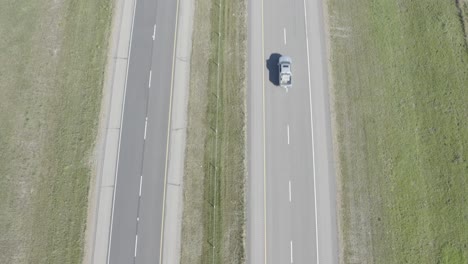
(52, 58)
(213, 219)
(400, 74)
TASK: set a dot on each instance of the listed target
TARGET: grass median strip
(400, 74)
(52, 57)
(213, 220)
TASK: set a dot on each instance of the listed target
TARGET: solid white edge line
(312, 131)
(154, 32)
(292, 260)
(120, 134)
(264, 145)
(136, 244)
(288, 134)
(149, 81)
(289, 191)
(141, 181)
(146, 127)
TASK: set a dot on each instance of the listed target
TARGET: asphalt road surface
(292, 201)
(139, 193)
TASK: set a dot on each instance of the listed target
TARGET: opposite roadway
(135, 235)
(292, 215)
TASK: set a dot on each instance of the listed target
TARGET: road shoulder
(178, 133)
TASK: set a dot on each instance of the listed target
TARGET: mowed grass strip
(400, 73)
(52, 58)
(213, 220)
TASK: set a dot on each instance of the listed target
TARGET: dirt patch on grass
(399, 75)
(213, 221)
(52, 56)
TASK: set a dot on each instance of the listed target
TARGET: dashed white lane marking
(146, 127)
(149, 81)
(284, 34)
(292, 260)
(288, 134)
(154, 32)
(141, 181)
(136, 243)
(289, 191)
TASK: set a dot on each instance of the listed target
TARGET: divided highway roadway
(137, 215)
(292, 215)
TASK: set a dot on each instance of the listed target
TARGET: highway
(137, 214)
(292, 211)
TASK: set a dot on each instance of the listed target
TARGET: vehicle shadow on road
(272, 66)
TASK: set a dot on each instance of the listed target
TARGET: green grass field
(213, 222)
(400, 73)
(52, 58)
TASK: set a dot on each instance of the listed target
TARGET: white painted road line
(288, 134)
(146, 127)
(265, 256)
(149, 81)
(292, 260)
(289, 191)
(154, 31)
(141, 181)
(136, 243)
(284, 34)
(312, 130)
